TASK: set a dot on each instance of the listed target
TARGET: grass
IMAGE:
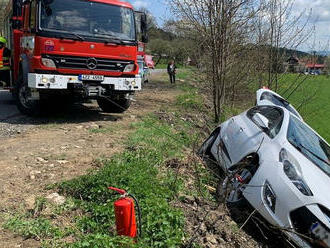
(29, 227)
(316, 111)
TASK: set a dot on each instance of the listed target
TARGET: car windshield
(87, 18)
(278, 101)
(310, 144)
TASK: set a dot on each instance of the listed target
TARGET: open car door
(268, 97)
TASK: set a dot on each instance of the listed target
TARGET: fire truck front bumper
(58, 82)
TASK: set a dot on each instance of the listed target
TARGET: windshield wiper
(79, 36)
(74, 34)
(110, 37)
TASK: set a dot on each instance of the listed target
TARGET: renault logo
(91, 63)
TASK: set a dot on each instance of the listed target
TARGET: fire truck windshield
(88, 19)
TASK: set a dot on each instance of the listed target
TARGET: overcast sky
(320, 16)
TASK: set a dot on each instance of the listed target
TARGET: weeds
(37, 228)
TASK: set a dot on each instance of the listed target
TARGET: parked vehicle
(149, 62)
(281, 166)
(75, 48)
(143, 71)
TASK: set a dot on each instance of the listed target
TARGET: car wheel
(232, 188)
(22, 94)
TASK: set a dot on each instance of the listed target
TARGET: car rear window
(279, 102)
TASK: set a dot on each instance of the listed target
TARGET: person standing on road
(171, 70)
(4, 62)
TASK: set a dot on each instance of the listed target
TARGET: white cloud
(140, 4)
(320, 18)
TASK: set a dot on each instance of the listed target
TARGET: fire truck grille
(88, 63)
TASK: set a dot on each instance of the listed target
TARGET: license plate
(91, 78)
(321, 233)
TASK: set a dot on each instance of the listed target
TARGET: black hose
(139, 215)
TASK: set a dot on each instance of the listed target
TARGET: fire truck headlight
(44, 80)
(48, 63)
(129, 68)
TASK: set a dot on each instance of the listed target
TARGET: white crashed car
(280, 165)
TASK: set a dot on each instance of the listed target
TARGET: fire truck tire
(25, 106)
(114, 106)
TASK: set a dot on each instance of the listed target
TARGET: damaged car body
(280, 165)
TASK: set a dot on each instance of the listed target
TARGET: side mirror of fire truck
(15, 24)
(144, 28)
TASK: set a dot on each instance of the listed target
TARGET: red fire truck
(81, 49)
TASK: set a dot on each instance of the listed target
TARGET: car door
(268, 97)
(243, 135)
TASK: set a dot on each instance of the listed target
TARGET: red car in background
(149, 62)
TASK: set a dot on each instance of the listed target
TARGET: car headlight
(129, 68)
(269, 196)
(293, 174)
(48, 63)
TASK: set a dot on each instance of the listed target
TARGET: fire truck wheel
(114, 106)
(24, 104)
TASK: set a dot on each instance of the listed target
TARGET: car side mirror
(144, 28)
(261, 121)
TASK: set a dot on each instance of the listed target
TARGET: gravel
(11, 121)
(13, 127)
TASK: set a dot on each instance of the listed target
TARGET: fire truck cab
(79, 49)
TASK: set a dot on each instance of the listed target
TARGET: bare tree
(279, 27)
(221, 28)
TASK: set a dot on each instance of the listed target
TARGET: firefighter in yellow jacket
(4, 62)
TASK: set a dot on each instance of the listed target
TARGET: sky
(158, 8)
(320, 18)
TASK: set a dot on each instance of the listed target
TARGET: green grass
(37, 228)
(161, 66)
(190, 100)
(316, 111)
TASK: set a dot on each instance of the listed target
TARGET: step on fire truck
(78, 49)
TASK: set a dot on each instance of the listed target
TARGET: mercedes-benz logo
(91, 63)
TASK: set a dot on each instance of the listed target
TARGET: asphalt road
(8, 108)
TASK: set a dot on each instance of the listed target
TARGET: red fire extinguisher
(125, 214)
